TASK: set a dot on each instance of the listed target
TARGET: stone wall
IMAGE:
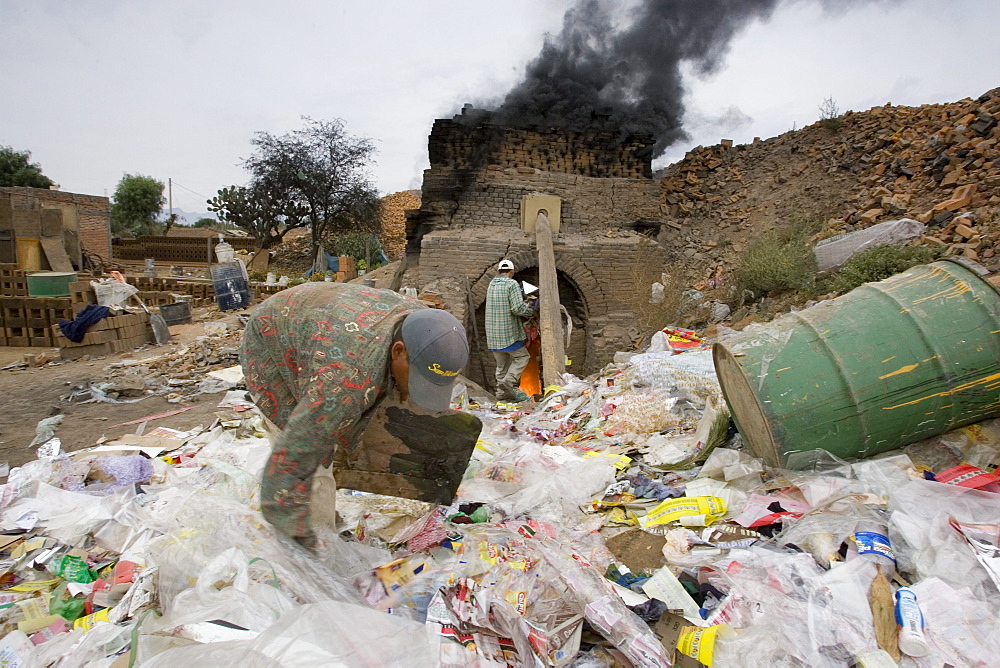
(87, 213)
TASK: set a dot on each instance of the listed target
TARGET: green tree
(137, 202)
(266, 213)
(16, 169)
(322, 169)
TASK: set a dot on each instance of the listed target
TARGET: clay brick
(870, 216)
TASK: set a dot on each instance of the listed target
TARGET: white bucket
(224, 253)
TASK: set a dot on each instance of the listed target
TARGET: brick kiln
(471, 217)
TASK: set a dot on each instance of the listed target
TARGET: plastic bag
(604, 610)
(727, 464)
(835, 251)
(321, 634)
(964, 629)
(110, 292)
(68, 516)
(224, 591)
(46, 429)
(927, 545)
(793, 613)
(199, 525)
(66, 606)
(543, 482)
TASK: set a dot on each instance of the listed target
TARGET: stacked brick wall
(177, 250)
(393, 219)
(589, 205)
(92, 213)
(459, 145)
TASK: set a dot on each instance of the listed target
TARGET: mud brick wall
(91, 213)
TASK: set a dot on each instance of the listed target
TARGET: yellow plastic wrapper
(688, 510)
(621, 462)
(699, 643)
(88, 622)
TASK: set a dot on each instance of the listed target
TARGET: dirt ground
(32, 394)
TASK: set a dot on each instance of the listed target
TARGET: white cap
(505, 265)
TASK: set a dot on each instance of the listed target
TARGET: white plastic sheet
(329, 633)
(835, 251)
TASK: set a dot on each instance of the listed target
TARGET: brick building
(53, 219)
(471, 217)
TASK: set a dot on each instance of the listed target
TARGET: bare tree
(323, 169)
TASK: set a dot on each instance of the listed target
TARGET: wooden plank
(55, 253)
(550, 318)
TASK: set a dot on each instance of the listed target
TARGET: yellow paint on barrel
(905, 369)
(993, 379)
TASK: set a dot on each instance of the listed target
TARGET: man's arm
(324, 420)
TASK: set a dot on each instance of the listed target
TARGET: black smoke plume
(626, 79)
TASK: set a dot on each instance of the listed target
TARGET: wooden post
(550, 318)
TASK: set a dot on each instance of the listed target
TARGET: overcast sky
(177, 88)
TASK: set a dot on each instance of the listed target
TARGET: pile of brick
(152, 291)
(114, 334)
(939, 164)
(28, 321)
(263, 290)
(13, 282)
(393, 216)
(159, 291)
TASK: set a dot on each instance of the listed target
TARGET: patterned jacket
(316, 357)
(505, 305)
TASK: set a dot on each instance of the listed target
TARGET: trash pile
(616, 522)
(177, 373)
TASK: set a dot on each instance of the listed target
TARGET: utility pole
(170, 205)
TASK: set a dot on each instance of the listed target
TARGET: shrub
(829, 115)
(646, 269)
(353, 244)
(881, 262)
(777, 261)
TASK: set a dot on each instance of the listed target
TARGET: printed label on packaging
(871, 542)
(699, 643)
(672, 510)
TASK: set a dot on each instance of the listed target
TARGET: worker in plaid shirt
(505, 307)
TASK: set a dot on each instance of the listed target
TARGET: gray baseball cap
(438, 349)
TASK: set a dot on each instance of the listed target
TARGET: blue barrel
(231, 289)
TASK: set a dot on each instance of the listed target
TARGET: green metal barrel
(887, 364)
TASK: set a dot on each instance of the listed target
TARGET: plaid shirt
(504, 305)
(316, 357)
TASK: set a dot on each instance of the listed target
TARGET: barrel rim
(744, 405)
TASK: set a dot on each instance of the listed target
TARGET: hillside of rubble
(937, 163)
